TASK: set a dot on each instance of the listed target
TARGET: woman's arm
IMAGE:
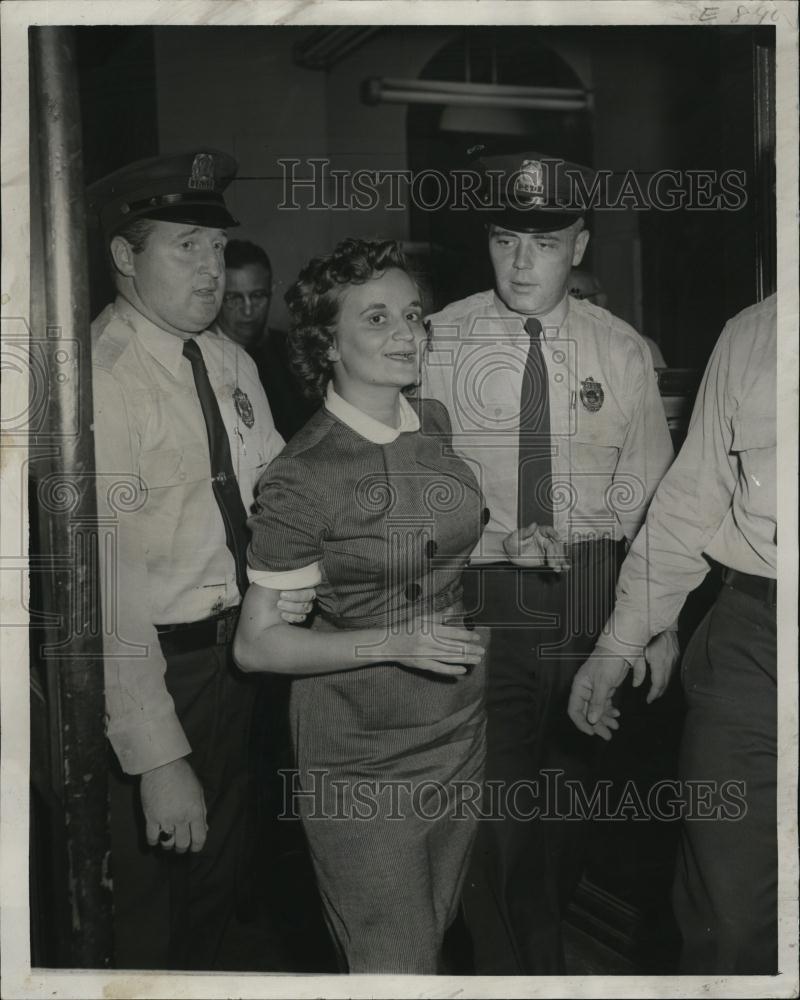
(265, 643)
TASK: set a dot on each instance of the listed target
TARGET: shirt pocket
(753, 432)
(754, 445)
(596, 444)
(171, 467)
(593, 458)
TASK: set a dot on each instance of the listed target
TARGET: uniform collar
(165, 347)
(552, 322)
(368, 427)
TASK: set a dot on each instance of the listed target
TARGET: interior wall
(373, 137)
(238, 89)
(257, 104)
(660, 100)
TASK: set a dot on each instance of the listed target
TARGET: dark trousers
(171, 911)
(525, 870)
(725, 895)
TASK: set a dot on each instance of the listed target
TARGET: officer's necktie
(223, 478)
(534, 500)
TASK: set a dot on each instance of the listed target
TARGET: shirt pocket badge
(244, 407)
(592, 395)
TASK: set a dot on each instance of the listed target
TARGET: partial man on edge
(717, 503)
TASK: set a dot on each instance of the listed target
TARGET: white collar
(552, 322)
(165, 347)
(365, 425)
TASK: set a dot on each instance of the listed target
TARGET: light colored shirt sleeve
(142, 725)
(666, 560)
(646, 451)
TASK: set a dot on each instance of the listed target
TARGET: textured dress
(389, 758)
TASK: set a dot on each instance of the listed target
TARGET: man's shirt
(609, 435)
(719, 498)
(168, 561)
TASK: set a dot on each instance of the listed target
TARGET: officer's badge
(592, 395)
(202, 176)
(528, 184)
(243, 407)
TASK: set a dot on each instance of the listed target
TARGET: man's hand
(174, 807)
(295, 605)
(593, 688)
(536, 546)
(662, 654)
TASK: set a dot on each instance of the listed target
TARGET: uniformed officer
(717, 502)
(182, 432)
(555, 405)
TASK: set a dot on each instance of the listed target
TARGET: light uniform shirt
(610, 441)
(719, 498)
(169, 561)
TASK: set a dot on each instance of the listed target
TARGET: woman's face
(378, 336)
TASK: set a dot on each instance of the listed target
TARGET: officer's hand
(174, 807)
(593, 687)
(294, 605)
(537, 546)
(662, 654)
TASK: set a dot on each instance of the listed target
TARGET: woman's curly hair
(314, 300)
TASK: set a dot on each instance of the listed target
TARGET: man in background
(243, 318)
(718, 502)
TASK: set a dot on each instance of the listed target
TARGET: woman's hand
(430, 645)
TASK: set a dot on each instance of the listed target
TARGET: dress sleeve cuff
(289, 579)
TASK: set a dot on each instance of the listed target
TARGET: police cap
(185, 187)
(531, 192)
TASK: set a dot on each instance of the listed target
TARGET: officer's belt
(186, 637)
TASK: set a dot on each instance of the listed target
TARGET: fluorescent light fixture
(394, 90)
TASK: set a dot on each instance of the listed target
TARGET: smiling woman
(368, 504)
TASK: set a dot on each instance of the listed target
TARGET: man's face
(178, 279)
(245, 305)
(532, 270)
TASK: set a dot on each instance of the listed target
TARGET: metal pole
(75, 650)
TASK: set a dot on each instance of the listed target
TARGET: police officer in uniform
(182, 432)
(718, 502)
(554, 404)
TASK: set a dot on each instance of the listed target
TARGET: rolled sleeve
(290, 579)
